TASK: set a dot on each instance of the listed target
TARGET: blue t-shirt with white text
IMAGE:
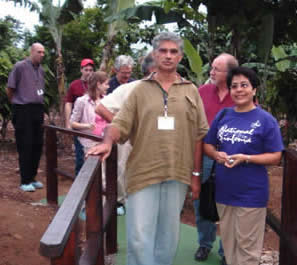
(250, 133)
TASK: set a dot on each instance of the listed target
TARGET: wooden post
(94, 222)
(51, 165)
(111, 197)
(288, 239)
(70, 253)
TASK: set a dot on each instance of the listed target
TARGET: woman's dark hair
(247, 72)
(95, 77)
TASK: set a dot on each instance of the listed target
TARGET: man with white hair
(123, 67)
(25, 90)
(164, 119)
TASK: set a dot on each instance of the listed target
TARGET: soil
(24, 219)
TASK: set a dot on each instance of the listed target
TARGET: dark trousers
(28, 124)
(79, 155)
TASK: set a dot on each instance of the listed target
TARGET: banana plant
(194, 59)
(54, 17)
(115, 6)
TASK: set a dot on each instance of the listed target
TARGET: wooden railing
(60, 241)
(286, 228)
(288, 238)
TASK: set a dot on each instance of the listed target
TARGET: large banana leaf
(146, 12)
(194, 59)
(279, 53)
(115, 6)
(266, 37)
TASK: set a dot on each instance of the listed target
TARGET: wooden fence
(288, 235)
(286, 228)
(60, 241)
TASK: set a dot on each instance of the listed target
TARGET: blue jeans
(153, 223)
(206, 229)
(79, 155)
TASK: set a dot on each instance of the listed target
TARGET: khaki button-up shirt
(161, 155)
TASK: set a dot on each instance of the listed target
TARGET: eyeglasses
(215, 69)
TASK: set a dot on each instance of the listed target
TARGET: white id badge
(165, 123)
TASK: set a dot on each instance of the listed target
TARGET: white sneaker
(27, 187)
(121, 210)
(37, 184)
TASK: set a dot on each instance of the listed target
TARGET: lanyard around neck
(165, 99)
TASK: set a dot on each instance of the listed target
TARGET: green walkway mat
(186, 249)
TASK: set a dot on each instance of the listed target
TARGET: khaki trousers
(123, 154)
(242, 232)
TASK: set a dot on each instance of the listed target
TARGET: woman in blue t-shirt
(243, 140)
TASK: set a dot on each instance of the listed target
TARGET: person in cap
(25, 90)
(77, 89)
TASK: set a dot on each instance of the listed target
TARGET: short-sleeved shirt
(27, 82)
(84, 112)
(250, 133)
(115, 100)
(160, 155)
(212, 102)
(114, 83)
(76, 89)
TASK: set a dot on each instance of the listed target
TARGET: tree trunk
(61, 84)
(107, 54)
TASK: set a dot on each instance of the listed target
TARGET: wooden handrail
(74, 132)
(54, 239)
(60, 241)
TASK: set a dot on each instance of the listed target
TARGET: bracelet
(196, 173)
(248, 159)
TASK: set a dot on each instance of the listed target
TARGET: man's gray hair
(123, 60)
(168, 36)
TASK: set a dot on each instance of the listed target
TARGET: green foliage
(5, 67)
(194, 60)
(10, 34)
(284, 100)
(163, 14)
(87, 32)
(279, 54)
(281, 94)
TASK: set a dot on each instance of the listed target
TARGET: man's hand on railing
(103, 150)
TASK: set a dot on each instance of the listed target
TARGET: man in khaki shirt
(165, 121)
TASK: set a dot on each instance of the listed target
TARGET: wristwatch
(196, 173)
